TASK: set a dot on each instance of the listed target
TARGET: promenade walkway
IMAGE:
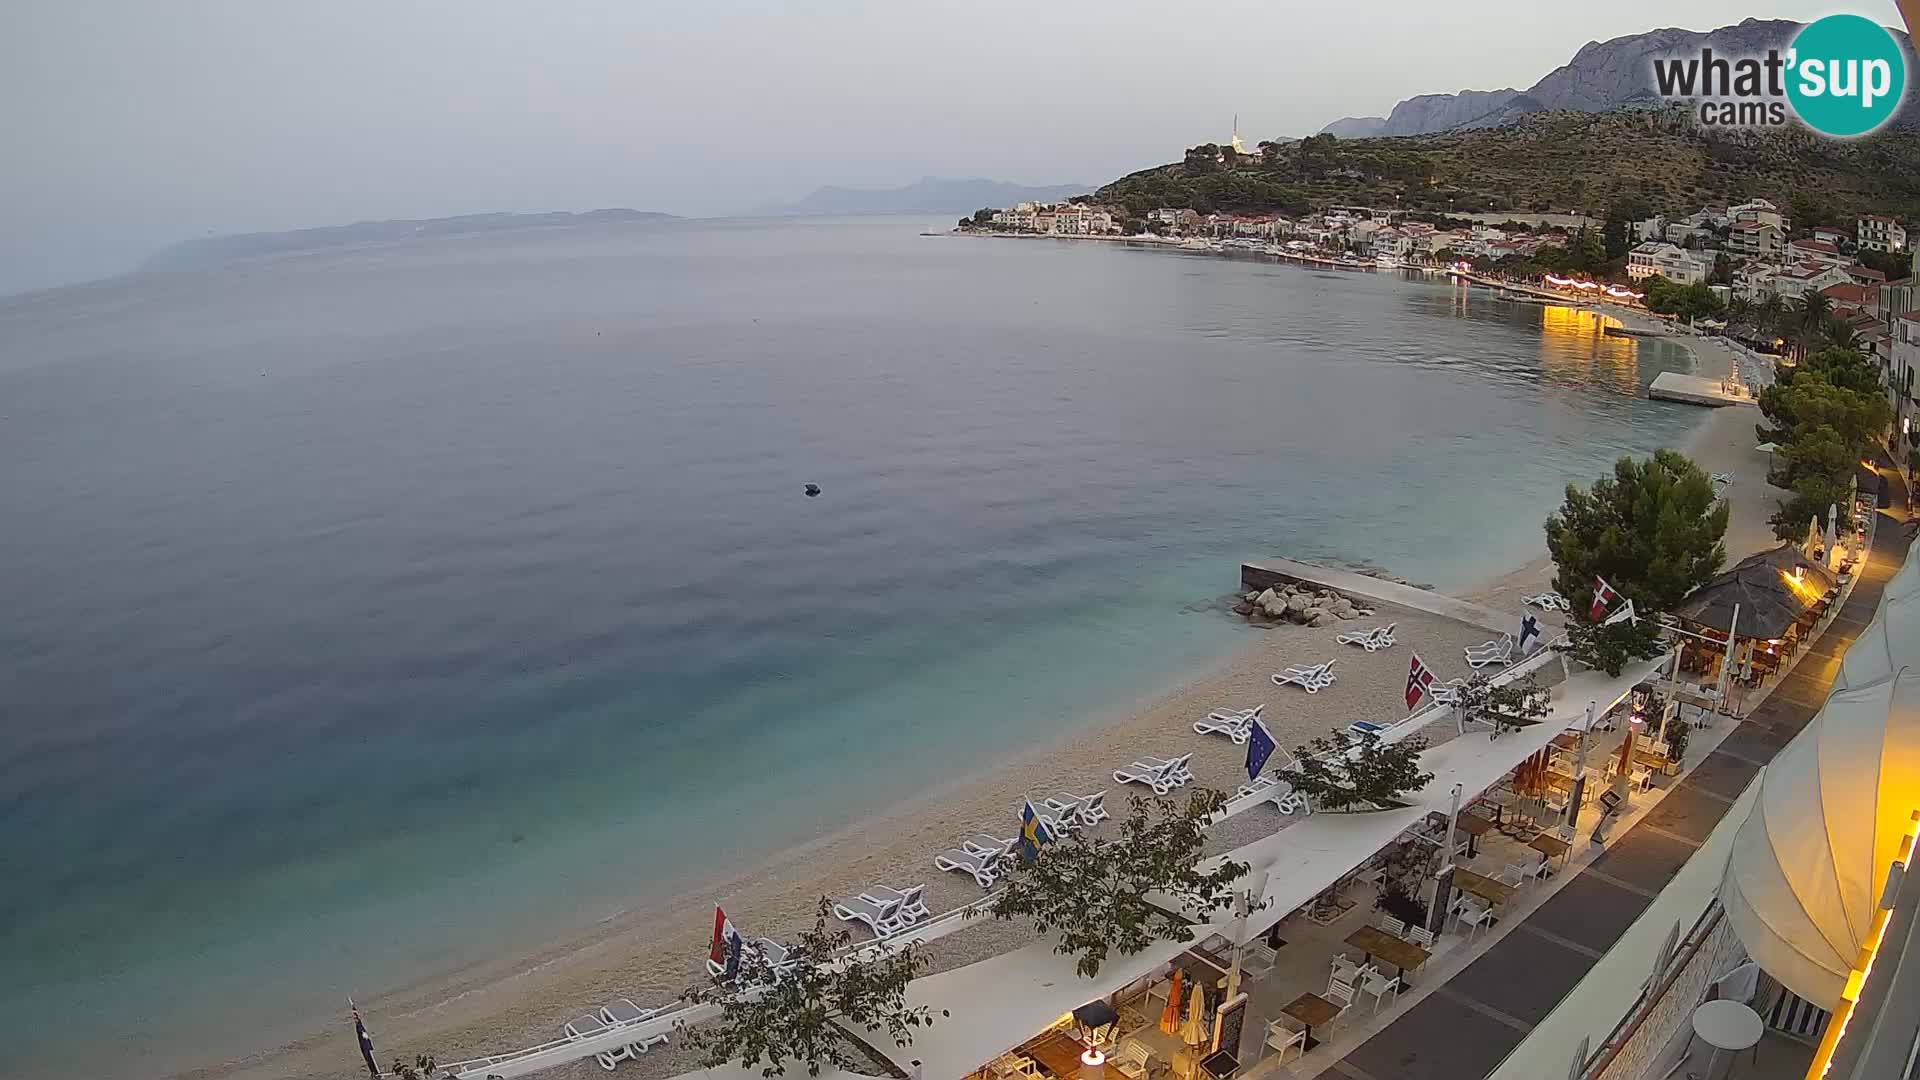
(1467, 1027)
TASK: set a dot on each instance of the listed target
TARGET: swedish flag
(1033, 832)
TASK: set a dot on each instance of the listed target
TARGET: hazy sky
(133, 124)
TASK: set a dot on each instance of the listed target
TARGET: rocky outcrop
(1355, 127)
(1438, 112)
(1301, 605)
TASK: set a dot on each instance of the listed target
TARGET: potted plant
(1678, 732)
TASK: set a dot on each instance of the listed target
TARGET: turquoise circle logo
(1848, 75)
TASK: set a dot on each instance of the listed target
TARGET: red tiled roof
(1848, 293)
(1820, 246)
(1867, 272)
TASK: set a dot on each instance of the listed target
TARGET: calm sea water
(370, 612)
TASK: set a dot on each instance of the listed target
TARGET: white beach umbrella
(1833, 532)
(1811, 859)
(1892, 639)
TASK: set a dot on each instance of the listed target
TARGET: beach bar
(1768, 604)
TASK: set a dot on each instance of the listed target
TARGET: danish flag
(1603, 598)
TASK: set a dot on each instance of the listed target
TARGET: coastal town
(1745, 270)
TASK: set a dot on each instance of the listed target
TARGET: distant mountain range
(1602, 76)
(930, 195)
(207, 252)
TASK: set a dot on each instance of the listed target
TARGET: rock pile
(1302, 605)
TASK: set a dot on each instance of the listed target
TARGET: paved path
(1467, 1027)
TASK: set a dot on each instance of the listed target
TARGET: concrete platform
(1694, 390)
(1266, 573)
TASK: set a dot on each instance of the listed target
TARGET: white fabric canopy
(1809, 862)
(1892, 640)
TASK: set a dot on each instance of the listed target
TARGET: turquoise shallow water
(354, 597)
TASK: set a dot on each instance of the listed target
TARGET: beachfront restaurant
(1769, 604)
(1344, 911)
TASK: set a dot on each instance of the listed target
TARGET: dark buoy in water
(812, 490)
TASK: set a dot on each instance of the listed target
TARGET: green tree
(1508, 707)
(767, 1021)
(1364, 773)
(1653, 530)
(983, 216)
(420, 1068)
(1611, 647)
(1096, 891)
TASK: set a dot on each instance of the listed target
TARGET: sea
(373, 611)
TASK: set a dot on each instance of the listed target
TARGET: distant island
(930, 195)
(212, 251)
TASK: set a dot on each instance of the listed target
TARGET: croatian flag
(1260, 747)
(1033, 832)
(1419, 682)
(725, 950)
(1603, 598)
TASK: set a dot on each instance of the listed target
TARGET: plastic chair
(1281, 1039)
(1396, 927)
(1380, 987)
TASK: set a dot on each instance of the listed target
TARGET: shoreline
(651, 952)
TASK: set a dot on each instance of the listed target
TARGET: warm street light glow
(1862, 967)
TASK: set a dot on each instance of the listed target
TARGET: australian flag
(1033, 832)
(1260, 746)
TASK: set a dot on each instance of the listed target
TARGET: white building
(1653, 228)
(1756, 239)
(1878, 232)
(1818, 251)
(1757, 212)
(1667, 261)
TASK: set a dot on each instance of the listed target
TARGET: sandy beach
(651, 955)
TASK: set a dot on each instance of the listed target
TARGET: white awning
(1892, 640)
(999, 1003)
(1811, 858)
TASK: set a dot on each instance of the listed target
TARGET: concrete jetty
(1266, 573)
(1694, 390)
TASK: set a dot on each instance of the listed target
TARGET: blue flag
(1260, 746)
(1033, 832)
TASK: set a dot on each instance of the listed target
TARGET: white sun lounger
(986, 844)
(1380, 637)
(1276, 791)
(1085, 811)
(912, 901)
(1493, 652)
(1237, 728)
(624, 1012)
(1548, 601)
(1447, 693)
(1160, 775)
(883, 919)
(983, 867)
(1313, 678)
(581, 1027)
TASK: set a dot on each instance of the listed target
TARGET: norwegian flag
(1419, 682)
(1603, 598)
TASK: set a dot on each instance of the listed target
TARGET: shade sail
(1766, 589)
(1809, 862)
(1892, 640)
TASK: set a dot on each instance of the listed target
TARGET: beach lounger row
(1547, 601)
(1074, 812)
(1162, 775)
(777, 957)
(1275, 790)
(622, 1013)
(884, 911)
(1312, 678)
(1380, 637)
(1235, 724)
(1493, 652)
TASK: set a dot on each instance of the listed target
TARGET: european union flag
(1260, 746)
(1033, 832)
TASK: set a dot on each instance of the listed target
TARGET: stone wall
(1641, 1057)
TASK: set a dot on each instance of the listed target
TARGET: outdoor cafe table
(1059, 1053)
(1403, 955)
(1311, 1009)
(1475, 827)
(1493, 892)
(1550, 846)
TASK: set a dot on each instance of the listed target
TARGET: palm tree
(1740, 313)
(1841, 334)
(1770, 311)
(1808, 319)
